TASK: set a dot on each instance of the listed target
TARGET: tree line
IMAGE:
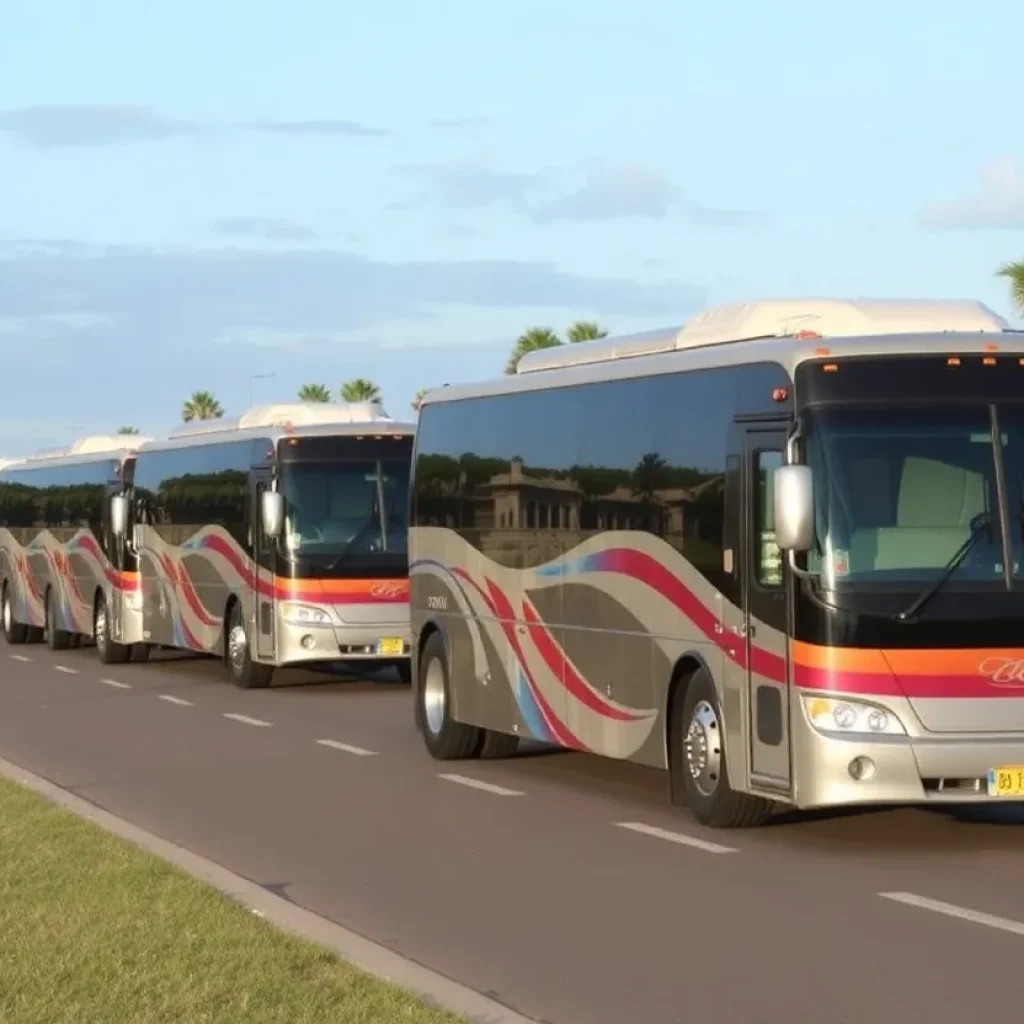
(203, 405)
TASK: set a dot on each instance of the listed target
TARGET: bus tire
(445, 739)
(699, 765)
(109, 652)
(246, 673)
(56, 639)
(498, 745)
(14, 632)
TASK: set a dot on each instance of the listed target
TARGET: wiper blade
(979, 524)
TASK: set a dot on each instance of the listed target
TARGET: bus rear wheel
(445, 739)
(246, 673)
(700, 770)
(14, 632)
(109, 652)
(56, 639)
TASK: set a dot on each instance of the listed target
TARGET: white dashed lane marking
(674, 837)
(347, 748)
(66, 670)
(1003, 924)
(20, 657)
(171, 699)
(246, 720)
(486, 787)
(114, 683)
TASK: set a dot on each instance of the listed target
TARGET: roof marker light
(953, 361)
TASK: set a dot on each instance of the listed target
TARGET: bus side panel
(582, 531)
(25, 575)
(50, 523)
(191, 504)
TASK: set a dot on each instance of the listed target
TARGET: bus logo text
(1003, 671)
(386, 589)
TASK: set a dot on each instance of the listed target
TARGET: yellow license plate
(1007, 780)
(391, 646)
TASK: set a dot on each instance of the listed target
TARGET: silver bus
(777, 552)
(64, 576)
(279, 537)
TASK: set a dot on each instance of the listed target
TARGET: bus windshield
(346, 517)
(899, 491)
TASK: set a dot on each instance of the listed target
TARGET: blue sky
(193, 194)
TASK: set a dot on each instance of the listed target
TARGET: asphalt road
(535, 880)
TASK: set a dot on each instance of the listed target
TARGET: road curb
(375, 959)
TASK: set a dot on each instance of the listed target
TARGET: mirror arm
(795, 434)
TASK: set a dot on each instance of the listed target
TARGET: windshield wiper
(979, 525)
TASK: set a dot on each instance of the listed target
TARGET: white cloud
(997, 203)
(607, 191)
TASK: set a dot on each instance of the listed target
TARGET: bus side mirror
(118, 515)
(794, 508)
(273, 513)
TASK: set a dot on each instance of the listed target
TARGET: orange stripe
(839, 659)
(957, 662)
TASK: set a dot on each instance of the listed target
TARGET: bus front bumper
(836, 770)
(298, 644)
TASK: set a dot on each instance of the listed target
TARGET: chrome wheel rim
(434, 697)
(236, 647)
(703, 748)
(100, 627)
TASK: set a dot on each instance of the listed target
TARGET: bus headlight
(851, 716)
(304, 615)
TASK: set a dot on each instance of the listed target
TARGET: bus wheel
(14, 632)
(498, 745)
(248, 674)
(699, 765)
(446, 739)
(109, 652)
(56, 639)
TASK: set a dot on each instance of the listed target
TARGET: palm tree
(1014, 272)
(127, 430)
(544, 337)
(417, 399)
(585, 330)
(201, 406)
(360, 390)
(531, 341)
(314, 393)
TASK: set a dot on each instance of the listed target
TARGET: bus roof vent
(779, 318)
(106, 443)
(94, 444)
(291, 414)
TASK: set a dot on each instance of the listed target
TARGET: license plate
(1007, 780)
(391, 646)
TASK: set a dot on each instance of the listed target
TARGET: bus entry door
(263, 553)
(765, 613)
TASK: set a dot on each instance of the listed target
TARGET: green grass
(94, 930)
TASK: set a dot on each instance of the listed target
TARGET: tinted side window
(615, 450)
(694, 420)
(179, 491)
(63, 499)
(497, 468)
